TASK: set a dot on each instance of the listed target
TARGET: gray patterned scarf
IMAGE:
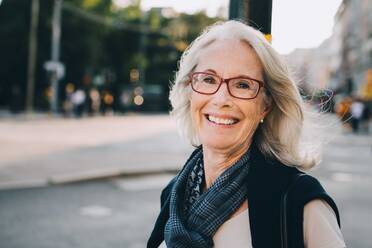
(195, 216)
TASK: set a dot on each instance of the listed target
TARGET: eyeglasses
(241, 87)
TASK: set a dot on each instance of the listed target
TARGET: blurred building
(341, 62)
(314, 67)
(355, 17)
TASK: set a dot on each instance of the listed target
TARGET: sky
(295, 23)
(302, 23)
(189, 6)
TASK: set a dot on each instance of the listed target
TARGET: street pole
(237, 10)
(256, 13)
(56, 37)
(143, 50)
(259, 12)
(32, 56)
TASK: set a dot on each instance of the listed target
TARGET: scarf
(195, 216)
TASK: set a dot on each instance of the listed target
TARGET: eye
(209, 80)
(243, 85)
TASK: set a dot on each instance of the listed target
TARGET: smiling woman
(234, 100)
(226, 120)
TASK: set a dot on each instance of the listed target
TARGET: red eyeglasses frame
(226, 80)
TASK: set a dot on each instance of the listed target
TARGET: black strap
(284, 210)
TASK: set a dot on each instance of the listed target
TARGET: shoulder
(318, 207)
(308, 188)
(270, 175)
(263, 165)
(320, 225)
(283, 176)
(305, 193)
(301, 187)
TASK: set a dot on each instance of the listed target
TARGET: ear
(268, 104)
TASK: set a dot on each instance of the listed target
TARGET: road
(97, 214)
(346, 172)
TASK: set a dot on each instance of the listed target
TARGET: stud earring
(261, 120)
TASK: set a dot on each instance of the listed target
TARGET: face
(221, 120)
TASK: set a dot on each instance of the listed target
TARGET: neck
(216, 161)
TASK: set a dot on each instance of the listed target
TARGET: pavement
(44, 150)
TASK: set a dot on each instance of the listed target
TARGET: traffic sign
(55, 66)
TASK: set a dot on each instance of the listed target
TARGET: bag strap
(284, 210)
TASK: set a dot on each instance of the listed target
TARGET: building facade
(343, 62)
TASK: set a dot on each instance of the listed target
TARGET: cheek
(196, 104)
(253, 110)
(252, 120)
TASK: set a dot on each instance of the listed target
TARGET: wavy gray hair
(282, 135)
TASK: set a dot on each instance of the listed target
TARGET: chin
(218, 143)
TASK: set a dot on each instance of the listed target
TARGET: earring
(261, 120)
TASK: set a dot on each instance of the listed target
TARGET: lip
(222, 116)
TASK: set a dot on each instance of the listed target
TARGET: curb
(85, 176)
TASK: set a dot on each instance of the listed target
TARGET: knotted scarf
(195, 216)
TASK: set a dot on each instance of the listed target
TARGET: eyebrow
(210, 70)
(239, 75)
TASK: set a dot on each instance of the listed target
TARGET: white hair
(283, 134)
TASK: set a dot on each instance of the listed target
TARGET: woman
(243, 186)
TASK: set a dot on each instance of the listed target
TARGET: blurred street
(44, 151)
(99, 214)
(119, 211)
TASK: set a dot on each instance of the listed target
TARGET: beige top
(320, 229)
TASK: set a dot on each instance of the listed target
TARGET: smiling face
(222, 121)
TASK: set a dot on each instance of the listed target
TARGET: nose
(222, 96)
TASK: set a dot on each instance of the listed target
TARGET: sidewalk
(51, 151)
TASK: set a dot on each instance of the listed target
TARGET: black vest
(268, 180)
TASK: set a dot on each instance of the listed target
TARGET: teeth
(220, 120)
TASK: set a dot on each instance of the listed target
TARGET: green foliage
(130, 13)
(96, 6)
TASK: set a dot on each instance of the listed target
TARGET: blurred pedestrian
(68, 106)
(95, 100)
(366, 116)
(78, 102)
(356, 110)
(343, 112)
(244, 185)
